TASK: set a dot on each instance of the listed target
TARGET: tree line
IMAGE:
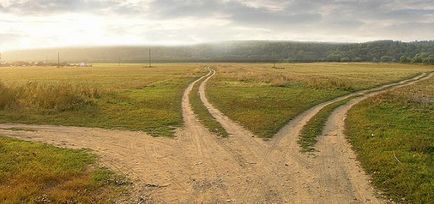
(242, 51)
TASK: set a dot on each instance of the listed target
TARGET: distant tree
(428, 60)
(345, 59)
(357, 59)
(387, 59)
(334, 57)
(404, 59)
(419, 57)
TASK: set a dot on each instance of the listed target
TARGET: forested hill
(241, 51)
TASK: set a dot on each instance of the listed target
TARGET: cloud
(51, 22)
(8, 39)
(46, 7)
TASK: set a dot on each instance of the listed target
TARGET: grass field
(263, 99)
(393, 135)
(109, 96)
(39, 173)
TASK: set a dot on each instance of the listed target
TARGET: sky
(28, 24)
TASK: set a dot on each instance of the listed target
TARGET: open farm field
(263, 99)
(130, 96)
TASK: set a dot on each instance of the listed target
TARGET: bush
(47, 97)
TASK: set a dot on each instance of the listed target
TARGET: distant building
(84, 64)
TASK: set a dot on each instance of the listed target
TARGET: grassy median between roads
(203, 114)
(108, 96)
(314, 127)
(263, 99)
(40, 173)
(392, 135)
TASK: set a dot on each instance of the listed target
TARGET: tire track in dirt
(215, 169)
(281, 176)
(336, 159)
(285, 149)
(250, 150)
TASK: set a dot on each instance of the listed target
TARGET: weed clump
(7, 97)
(57, 97)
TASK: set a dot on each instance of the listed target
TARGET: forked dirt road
(199, 167)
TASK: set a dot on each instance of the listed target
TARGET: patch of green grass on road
(40, 173)
(393, 136)
(314, 127)
(203, 114)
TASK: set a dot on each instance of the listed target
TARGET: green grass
(264, 99)
(129, 96)
(314, 127)
(392, 135)
(34, 173)
(203, 114)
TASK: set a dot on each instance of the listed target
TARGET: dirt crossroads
(198, 167)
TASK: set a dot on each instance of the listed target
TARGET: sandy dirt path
(249, 150)
(198, 167)
(337, 161)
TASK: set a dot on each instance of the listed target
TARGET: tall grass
(56, 97)
(7, 97)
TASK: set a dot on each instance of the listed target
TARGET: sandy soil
(199, 167)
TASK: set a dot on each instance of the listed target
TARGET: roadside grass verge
(314, 127)
(40, 173)
(263, 99)
(203, 114)
(125, 97)
(392, 135)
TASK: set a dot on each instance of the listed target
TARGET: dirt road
(199, 167)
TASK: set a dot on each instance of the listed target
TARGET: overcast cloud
(51, 23)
